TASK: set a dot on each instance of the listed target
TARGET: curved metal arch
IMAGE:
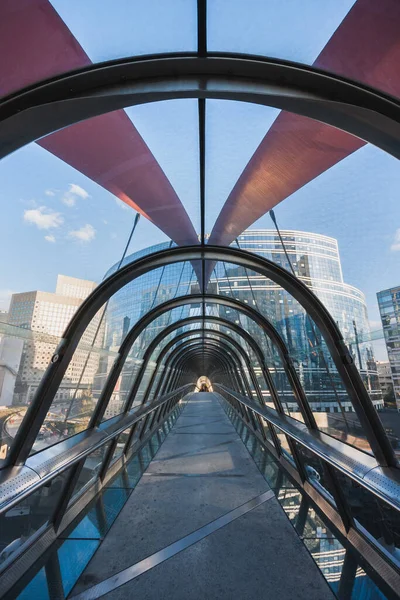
(40, 109)
(178, 353)
(234, 370)
(242, 381)
(219, 334)
(208, 342)
(241, 332)
(182, 355)
(367, 415)
(234, 304)
(185, 322)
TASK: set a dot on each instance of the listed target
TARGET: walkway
(207, 524)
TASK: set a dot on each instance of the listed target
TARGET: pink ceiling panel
(295, 150)
(35, 44)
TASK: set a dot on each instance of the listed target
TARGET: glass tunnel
(210, 397)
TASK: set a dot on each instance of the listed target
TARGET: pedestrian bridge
(208, 424)
(208, 482)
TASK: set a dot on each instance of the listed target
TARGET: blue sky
(55, 220)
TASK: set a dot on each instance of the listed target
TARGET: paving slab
(197, 477)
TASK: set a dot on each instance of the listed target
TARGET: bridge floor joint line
(202, 523)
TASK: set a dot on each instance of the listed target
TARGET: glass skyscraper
(315, 260)
(389, 307)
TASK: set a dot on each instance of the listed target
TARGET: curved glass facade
(315, 260)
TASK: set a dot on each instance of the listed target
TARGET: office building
(389, 308)
(45, 315)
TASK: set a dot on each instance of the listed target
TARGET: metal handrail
(18, 483)
(359, 466)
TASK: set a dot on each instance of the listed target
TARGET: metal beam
(96, 89)
(330, 332)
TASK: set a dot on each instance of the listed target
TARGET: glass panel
(120, 28)
(129, 476)
(119, 448)
(89, 32)
(120, 395)
(315, 527)
(224, 121)
(91, 469)
(170, 129)
(353, 39)
(364, 587)
(315, 472)
(329, 555)
(74, 555)
(284, 444)
(275, 28)
(19, 524)
(140, 396)
(316, 371)
(378, 518)
(36, 588)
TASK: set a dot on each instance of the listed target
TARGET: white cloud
(43, 217)
(87, 233)
(395, 247)
(105, 222)
(50, 193)
(74, 191)
(77, 190)
(375, 324)
(50, 238)
(69, 200)
(121, 204)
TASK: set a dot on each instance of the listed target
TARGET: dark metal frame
(48, 106)
(63, 514)
(365, 547)
(330, 332)
(42, 108)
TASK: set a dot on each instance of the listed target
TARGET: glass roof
(277, 28)
(116, 28)
(74, 208)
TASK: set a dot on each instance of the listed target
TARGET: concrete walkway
(202, 482)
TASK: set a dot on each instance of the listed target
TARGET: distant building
(10, 358)
(389, 307)
(3, 316)
(46, 315)
(385, 376)
(316, 262)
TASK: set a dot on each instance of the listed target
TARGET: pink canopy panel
(35, 44)
(295, 150)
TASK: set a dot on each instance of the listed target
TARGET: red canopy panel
(36, 44)
(365, 47)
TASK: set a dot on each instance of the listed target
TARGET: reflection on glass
(74, 555)
(315, 260)
(326, 550)
(22, 521)
(290, 500)
(36, 588)
(122, 388)
(314, 526)
(121, 442)
(329, 555)
(284, 444)
(91, 469)
(86, 533)
(378, 518)
(364, 587)
(315, 472)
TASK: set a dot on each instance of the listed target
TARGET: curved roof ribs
(36, 44)
(295, 150)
